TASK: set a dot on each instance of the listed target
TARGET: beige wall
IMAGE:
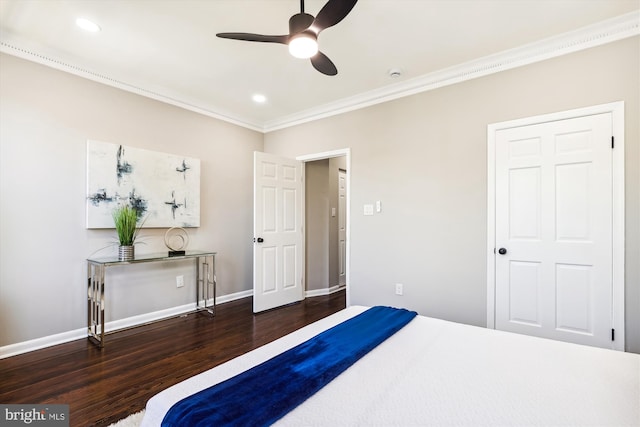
(424, 157)
(46, 117)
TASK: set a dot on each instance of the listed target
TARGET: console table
(96, 268)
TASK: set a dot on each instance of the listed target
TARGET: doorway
(325, 225)
(330, 258)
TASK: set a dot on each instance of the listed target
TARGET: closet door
(553, 223)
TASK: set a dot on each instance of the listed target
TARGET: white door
(553, 230)
(342, 227)
(278, 238)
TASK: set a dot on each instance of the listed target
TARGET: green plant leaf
(126, 222)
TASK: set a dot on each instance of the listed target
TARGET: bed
(435, 372)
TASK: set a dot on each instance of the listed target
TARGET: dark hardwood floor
(103, 386)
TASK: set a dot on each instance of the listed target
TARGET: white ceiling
(167, 49)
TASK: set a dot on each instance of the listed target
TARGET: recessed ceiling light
(259, 98)
(87, 25)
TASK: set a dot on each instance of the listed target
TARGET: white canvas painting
(163, 188)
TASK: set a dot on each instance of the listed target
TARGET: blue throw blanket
(265, 393)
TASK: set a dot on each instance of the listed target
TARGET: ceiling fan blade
(322, 63)
(254, 37)
(332, 13)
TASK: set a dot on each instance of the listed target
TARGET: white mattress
(434, 372)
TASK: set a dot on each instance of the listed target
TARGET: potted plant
(126, 220)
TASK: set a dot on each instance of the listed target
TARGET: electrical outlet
(399, 289)
(179, 281)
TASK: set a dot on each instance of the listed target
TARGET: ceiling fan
(303, 33)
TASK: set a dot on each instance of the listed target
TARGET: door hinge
(613, 335)
(612, 142)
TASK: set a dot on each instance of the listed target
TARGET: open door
(278, 254)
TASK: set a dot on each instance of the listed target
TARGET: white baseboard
(38, 343)
(232, 297)
(115, 325)
(324, 291)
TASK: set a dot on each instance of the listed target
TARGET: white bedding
(434, 372)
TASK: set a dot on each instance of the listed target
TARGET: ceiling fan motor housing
(300, 22)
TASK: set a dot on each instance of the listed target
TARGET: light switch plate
(368, 210)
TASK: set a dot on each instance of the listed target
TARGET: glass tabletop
(158, 256)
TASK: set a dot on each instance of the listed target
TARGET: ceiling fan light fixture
(303, 45)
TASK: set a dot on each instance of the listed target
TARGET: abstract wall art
(163, 188)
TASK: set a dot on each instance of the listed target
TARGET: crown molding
(611, 30)
(13, 48)
(598, 34)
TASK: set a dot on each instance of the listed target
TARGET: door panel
(268, 273)
(572, 201)
(277, 231)
(553, 217)
(574, 295)
(524, 203)
(524, 292)
(290, 266)
(342, 227)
